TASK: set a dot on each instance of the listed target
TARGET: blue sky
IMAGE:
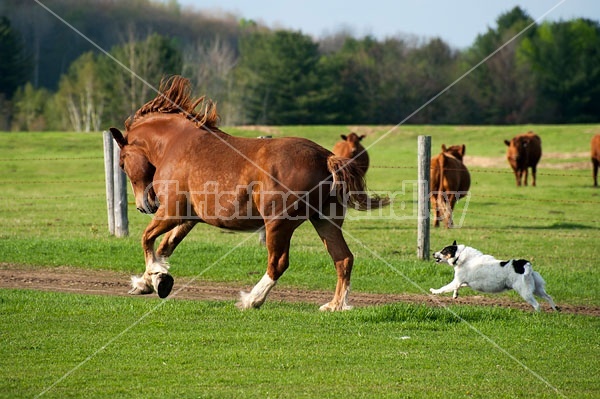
(458, 22)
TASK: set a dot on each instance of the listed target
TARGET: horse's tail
(350, 185)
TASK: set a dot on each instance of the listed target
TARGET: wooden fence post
(120, 192)
(108, 176)
(116, 189)
(424, 162)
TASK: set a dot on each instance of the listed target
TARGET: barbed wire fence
(414, 168)
(122, 203)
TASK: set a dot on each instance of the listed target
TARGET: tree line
(53, 79)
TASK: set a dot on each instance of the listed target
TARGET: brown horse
(186, 171)
(350, 147)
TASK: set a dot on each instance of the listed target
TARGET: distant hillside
(53, 45)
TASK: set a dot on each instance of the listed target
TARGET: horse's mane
(174, 97)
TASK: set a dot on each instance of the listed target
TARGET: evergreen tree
(277, 74)
(565, 61)
(501, 88)
(15, 67)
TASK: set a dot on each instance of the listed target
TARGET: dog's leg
(525, 286)
(455, 293)
(452, 287)
(531, 300)
(541, 292)
(526, 293)
(548, 298)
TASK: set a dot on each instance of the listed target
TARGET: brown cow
(524, 151)
(595, 157)
(350, 147)
(449, 180)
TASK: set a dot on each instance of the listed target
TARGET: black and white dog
(485, 273)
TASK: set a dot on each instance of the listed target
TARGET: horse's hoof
(243, 303)
(328, 307)
(246, 302)
(139, 287)
(139, 291)
(164, 285)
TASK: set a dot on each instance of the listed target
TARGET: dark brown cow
(350, 147)
(524, 151)
(449, 181)
(595, 157)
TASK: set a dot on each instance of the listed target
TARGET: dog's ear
(454, 243)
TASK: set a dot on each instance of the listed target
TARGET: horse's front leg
(156, 278)
(172, 239)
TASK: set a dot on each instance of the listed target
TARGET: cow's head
(353, 140)
(517, 150)
(457, 151)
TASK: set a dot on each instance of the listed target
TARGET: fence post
(108, 176)
(116, 189)
(424, 162)
(120, 196)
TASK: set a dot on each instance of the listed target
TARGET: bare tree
(82, 95)
(146, 60)
(209, 65)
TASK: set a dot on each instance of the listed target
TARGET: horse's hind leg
(330, 231)
(278, 239)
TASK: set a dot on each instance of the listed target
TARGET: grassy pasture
(52, 212)
(211, 350)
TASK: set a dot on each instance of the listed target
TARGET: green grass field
(53, 213)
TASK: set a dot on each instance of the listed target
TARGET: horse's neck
(156, 145)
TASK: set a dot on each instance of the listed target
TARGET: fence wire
(412, 168)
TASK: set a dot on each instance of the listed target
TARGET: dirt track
(93, 282)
